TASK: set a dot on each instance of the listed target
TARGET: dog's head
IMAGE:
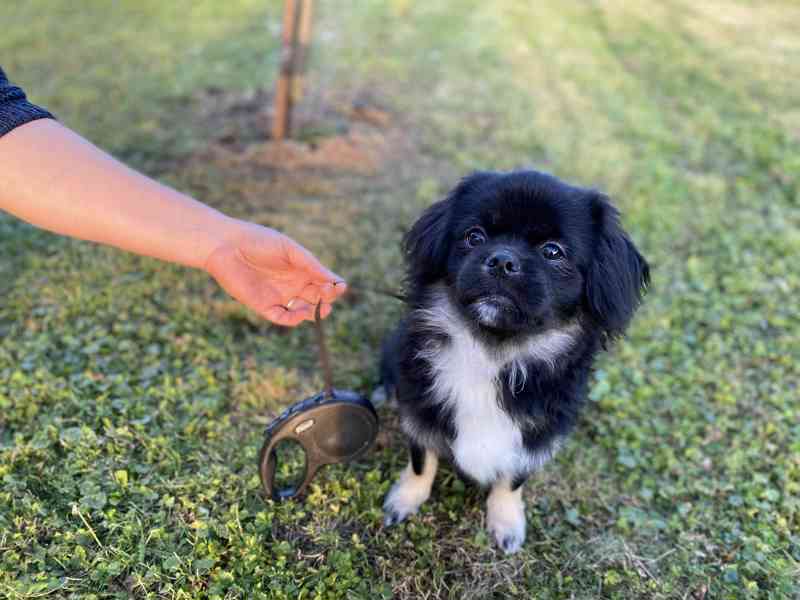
(524, 252)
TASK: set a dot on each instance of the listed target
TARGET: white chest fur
(488, 443)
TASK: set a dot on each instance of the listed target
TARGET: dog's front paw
(505, 519)
(508, 538)
(508, 530)
(405, 498)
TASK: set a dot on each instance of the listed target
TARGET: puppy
(515, 282)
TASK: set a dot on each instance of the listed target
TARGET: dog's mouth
(494, 310)
(496, 301)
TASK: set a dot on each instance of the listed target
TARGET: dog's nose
(502, 262)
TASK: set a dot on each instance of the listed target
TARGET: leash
(324, 355)
(358, 287)
(333, 426)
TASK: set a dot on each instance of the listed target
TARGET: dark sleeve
(15, 110)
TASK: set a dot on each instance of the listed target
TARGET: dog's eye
(552, 251)
(475, 236)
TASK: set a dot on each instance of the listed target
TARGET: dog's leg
(413, 487)
(505, 513)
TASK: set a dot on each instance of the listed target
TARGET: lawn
(134, 394)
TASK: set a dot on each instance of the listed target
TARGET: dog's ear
(427, 244)
(618, 274)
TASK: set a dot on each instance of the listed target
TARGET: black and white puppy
(515, 282)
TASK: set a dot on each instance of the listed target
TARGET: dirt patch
(352, 152)
(355, 134)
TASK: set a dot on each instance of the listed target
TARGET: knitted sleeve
(15, 110)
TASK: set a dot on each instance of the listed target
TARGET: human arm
(56, 180)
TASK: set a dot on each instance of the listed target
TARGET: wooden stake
(303, 46)
(281, 120)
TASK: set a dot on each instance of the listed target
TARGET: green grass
(133, 394)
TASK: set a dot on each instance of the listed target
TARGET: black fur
(518, 481)
(618, 274)
(417, 458)
(598, 286)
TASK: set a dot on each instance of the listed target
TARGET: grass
(133, 394)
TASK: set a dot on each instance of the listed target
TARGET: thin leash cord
(358, 287)
(324, 355)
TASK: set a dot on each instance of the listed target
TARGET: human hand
(54, 179)
(272, 274)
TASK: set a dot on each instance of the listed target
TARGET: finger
(325, 310)
(309, 312)
(331, 291)
(340, 287)
(301, 307)
(311, 293)
(280, 315)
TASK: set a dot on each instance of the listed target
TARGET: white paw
(505, 518)
(405, 497)
(379, 396)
